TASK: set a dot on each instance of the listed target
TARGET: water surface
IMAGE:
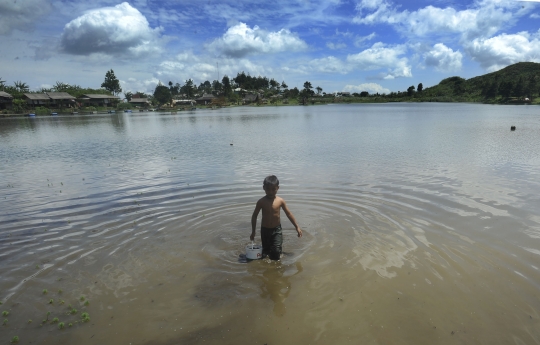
(421, 225)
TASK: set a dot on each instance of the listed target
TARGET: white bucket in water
(253, 251)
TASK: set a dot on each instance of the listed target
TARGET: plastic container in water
(253, 251)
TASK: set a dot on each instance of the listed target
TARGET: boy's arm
(254, 219)
(289, 215)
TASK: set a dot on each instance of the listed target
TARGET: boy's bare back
(271, 210)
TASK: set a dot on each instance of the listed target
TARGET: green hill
(510, 84)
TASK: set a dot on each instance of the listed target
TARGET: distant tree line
(516, 83)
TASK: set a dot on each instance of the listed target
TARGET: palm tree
(21, 87)
(319, 90)
(60, 86)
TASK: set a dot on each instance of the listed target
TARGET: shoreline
(2, 115)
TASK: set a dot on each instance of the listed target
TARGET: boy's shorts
(272, 240)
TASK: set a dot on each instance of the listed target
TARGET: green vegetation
(518, 83)
(162, 94)
(15, 339)
(513, 84)
(5, 313)
(85, 317)
(61, 325)
(111, 83)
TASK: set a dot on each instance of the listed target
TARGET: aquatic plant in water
(61, 325)
(44, 291)
(82, 298)
(51, 301)
(73, 311)
(5, 313)
(85, 317)
(70, 324)
(87, 302)
(55, 320)
(15, 339)
(5, 322)
(30, 321)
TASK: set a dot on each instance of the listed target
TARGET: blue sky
(364, 45)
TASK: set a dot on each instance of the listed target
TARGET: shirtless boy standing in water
(271, 206)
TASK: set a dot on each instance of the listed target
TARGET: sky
(364, 45)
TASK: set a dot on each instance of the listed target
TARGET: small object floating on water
(513, 128)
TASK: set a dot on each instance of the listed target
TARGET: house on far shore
(37, 99)
(251, 98)
(206, 98)
(139, 102)
(6, 100)
(61, 99)
(97, 100)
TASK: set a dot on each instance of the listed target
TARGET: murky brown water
(421, 226)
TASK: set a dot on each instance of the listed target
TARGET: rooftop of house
(60, 95)
(98, 96)
(37, 96)
(138, 100)
(206, 96)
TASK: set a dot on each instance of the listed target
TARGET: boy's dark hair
(271, 180)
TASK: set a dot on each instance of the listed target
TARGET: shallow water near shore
(421, 225)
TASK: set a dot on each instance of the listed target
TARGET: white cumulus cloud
(443, 58)
(335, 46)
(329, 64)
(369, 87)
(187, 65)
(359, 41)
(21, 14)
(241, 40)
(381, 56)
(483, 19)
(500, 51)
(119, 31)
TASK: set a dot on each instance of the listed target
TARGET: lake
(421, 226)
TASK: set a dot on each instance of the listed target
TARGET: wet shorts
(272, 239)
